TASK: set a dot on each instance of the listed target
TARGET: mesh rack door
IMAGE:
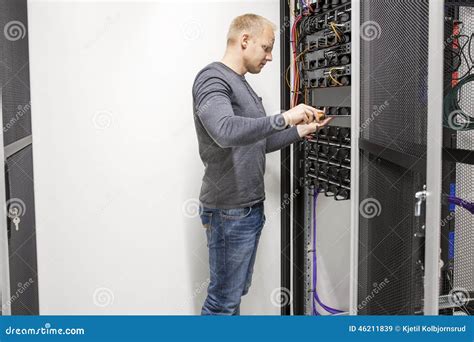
(392, 144)
(21, 288)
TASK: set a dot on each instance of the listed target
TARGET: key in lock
(13, 214)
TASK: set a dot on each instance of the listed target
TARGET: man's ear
(245, 40)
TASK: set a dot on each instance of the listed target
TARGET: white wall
(116, 163)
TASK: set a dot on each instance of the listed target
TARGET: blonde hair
(251, 23)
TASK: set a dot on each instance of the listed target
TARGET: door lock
(420, 198)
(13, 214)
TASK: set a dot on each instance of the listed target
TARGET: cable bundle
(454, 117)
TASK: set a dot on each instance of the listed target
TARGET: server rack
(321, 165)
(457, 257)
(404, 144)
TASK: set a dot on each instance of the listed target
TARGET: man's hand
(313, 127)
(302, 114)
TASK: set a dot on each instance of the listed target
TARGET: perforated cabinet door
(392, 155)
(22, 237)
(20, 288)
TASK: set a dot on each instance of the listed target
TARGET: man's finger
(313, 110)
(309, 115)
(307, 109)
(325, 122)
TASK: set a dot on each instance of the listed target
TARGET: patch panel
(328, 77)
(333, 111)
(325, 43)
(323, 58)
(327, 38)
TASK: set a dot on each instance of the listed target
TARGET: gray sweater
(234, 134)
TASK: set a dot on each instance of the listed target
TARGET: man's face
(258, 50)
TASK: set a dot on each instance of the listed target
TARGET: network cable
(469, 206)
(454, 117)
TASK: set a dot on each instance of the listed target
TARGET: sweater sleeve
(281, 139)
(213, 107)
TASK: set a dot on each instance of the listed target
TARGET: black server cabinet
(320, 45)
(19, 181)
(392, 142)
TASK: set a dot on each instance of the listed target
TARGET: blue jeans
(232, 239)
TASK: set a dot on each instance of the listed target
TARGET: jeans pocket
(236, 213)
(206, 219)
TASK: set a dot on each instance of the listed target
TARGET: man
(234, 134)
